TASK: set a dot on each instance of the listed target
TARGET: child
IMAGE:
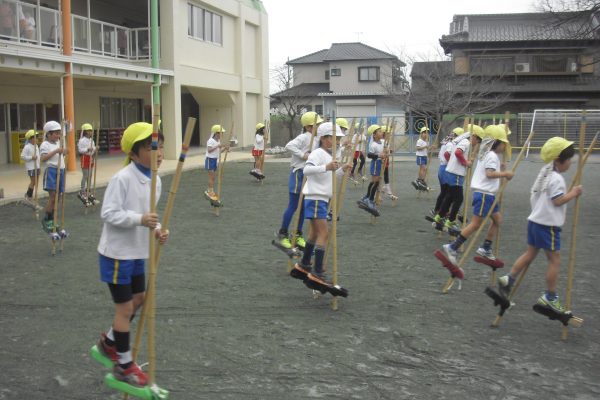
(376, 153)
(317, 193)
(549, 198)
(257, 151)
(52, 154)
(485, 185)
(421, 147)
(86, 148)
(124, 245)
(386, 171)
(300, 149)
(357, 141)
(456, 169)
(445, 150)
(31, 156)
(213, 149)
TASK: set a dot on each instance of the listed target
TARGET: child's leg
(310, 244)
(354, 161)
(443, 192)
(50, 204)
(211, 179)
(422, 172)
(523, 261)
(466, 232)
(256, 162)
(321, 233)
(362, 163)
(386, 176)
(374, 186)
(84, 178)
(456, 201)
(288, 214)
(552, 271)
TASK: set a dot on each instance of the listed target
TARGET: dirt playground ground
(231, 324)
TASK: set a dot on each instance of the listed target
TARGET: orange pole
(68, 84)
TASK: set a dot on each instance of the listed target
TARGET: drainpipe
(69, 107)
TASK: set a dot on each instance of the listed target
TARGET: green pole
(154, 37)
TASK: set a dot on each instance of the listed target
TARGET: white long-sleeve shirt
(47, 148)
(27, 153)
(319, 184)
(543, 210)
(298, 147)
(126, 200)
(259, 142)
(454, 166)
(86, 146)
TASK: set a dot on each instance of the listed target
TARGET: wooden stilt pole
(61, 196)
(265, 140)
(334, 212)
(95, 169)
(475, 236)
(36, 162)
(221, 167)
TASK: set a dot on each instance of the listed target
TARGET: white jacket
(86, 146)
(298, 147)
(47, 148)
(319, 183)
(26, 155)
(126, 199)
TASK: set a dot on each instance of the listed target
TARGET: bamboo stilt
(265, 140)
(334, 212)
(96, 163)
(36, 161)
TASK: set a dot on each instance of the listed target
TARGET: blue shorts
(295, 181)
(441, 174)
(453, 180)
(31, 173)
(482, 203)
(376, 167)
(119, 272)
(50, 180)
(210, 164)
(543, 237)
(315, 209)
(421, 160)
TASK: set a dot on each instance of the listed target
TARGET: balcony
(27, 24)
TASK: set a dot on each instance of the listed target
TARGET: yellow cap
(308, 118)
(342, 123)
(133, 134)
(477, 131)
(503, 126)
(30, 133)
(217, 129)
(496, 132)
(87, 127)
(458, 131)
(372, 129)
(357, 125)
(260, 125)
(553, 147)
(423, 129)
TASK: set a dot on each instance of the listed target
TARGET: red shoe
(133, 375)
(106, 350)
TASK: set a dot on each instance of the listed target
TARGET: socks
(551, 296)
(122, 343)
(319, 255)
(308, 250)
(487, 245)
(373, 191)
(460, 239)
(283, 232)
(110, 337)
(50, 216)
(29, 192)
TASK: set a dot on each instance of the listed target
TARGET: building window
(119, 113)
(327, 75)
(319, 109)
(336, 72)
(205, 25)
(366, 74)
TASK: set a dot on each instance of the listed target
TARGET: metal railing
(41, 26)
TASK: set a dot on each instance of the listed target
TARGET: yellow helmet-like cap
(308, 118)
(553, 147)
(357, 125)
(458, 131)
(30, 133)
(423, 129)
(372, 129)
(217, 129)
(260, 125)
(87, 127)
(133, 134)
(496, 132)
(503, 126)
(477, 131)
(342, 123)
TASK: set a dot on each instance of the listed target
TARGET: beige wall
(309, 73)
(348, 81)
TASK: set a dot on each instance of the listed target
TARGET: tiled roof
(515, 27)
(344, 52)
(303, 90)
(381, 92)
(425, 68)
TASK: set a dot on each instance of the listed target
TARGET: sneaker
(437, 218)
(489, 254)
(133, 375)
(387, 189)
(106, 350)
(450, 253)
(300, 242)
(553, 304)
(504, 286)
(211, 195)
(451, 226)
(364, 178)
(415, 185)
(47, 225)
(284, 241)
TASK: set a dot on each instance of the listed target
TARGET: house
(352, 79)
(533, 60)
(212, 65)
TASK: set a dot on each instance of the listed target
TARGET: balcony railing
(41, 26)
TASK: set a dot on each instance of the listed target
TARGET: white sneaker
(503, 285)
(489, 254)
(450, 253)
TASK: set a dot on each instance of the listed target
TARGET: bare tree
(291, 98)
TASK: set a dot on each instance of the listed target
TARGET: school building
(90, 61)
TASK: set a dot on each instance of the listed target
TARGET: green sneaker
(553, 304)
(285, 242)
(437, 218)
(451, 226)
(47, 225)
(300, 242)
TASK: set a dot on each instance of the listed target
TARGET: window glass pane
(208, 26)
(8, 19)
(14, 117)
(116, 118)
(49, 25)
(190, 20)
(27, 23)
(217, 29)
(26, 116)
(96, 36)
(80, 33)
(363, 74)
(198, 23)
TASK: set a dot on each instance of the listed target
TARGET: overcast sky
(298, 28)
